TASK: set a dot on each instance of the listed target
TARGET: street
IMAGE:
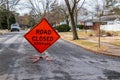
(70, 62)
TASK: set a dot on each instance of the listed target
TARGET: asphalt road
(70, 62)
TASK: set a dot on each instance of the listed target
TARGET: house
(111, 25)
(89, 21)
(64, 22)
(92, 22)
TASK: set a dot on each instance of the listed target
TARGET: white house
(64, 22)
(111, 26)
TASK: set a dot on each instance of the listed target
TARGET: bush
(90, 34)
(109, 34)
(4, 24)
(102, 32)
(80, 26)
(63, 28)
(115, 34)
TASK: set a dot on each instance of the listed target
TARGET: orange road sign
(42, 36)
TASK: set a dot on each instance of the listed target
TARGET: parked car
(15, 27)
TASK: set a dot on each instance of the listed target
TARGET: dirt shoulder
(3, 31)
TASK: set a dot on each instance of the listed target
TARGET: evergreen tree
(3, 19)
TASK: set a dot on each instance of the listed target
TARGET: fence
(112, 27)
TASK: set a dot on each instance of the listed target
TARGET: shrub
(102, 32)
(90, 34)
(115, 34)
(80, 26)
(109, 34)
(63, 28)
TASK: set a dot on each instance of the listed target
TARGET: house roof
(86, 17)
(110, 17)
(92, 18)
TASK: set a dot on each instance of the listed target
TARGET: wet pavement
(70, 62)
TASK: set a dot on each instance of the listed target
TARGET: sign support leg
(42, 57)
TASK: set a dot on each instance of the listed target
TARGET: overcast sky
(89, 4)
(21, 9)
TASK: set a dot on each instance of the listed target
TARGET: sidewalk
(112, 51)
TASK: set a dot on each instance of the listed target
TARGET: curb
(103, 53)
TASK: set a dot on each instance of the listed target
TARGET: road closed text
(42, 37)
(43, 32)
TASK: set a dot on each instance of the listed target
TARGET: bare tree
(2, 2)
(63, 10)
(77, 9)
(71, 10)
(55, 15)
(116, 11)
(110, 4)
(66, 13)
(39, 8)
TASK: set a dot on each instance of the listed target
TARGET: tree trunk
(8, 16)
(76, 15)
(67, 21)
(75, 35)
(71, 11)
(0, 23)
(8, 23)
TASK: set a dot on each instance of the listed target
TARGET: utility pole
(99, 31)
(99, 22)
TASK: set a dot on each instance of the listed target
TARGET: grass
(116, 43)
(84, 35)
(112, 39)
(91, 45)
(3, 31)
(83, 41)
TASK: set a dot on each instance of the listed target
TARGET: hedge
(63, 28)
(80, 26)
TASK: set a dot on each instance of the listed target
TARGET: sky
(21, 7)
(89, 4)
(22, 10)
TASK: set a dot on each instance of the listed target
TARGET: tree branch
(81, 5)
(68, 6)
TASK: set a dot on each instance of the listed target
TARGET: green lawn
(90, 45)
(84, 43)
(116, 43)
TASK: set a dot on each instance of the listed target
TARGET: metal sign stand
(38, 58)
